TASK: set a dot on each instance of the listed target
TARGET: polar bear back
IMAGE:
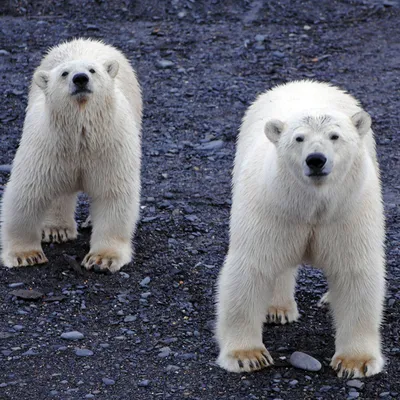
(89, 49)
(290, 100)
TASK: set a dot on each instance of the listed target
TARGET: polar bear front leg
(59, 222)
(356, 298)
(22, 212)
(242, 296)
(283, 307)
(114, 220)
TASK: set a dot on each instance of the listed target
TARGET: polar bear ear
(41, 78)
(362, 122)
(273, 130)
(112, 68)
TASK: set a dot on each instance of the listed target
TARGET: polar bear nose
(80, 80)
(315, 161)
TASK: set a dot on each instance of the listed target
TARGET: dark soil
(219, 66)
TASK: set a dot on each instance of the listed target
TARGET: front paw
(357, 365)
(59, 234)
(283, 314)
(24, 258)
(107, 260)
(245, 360)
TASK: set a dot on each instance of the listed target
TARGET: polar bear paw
(107, 260)
(356, 366)
(245, 360)
(53, 234)
(283, 314)
(24, 258)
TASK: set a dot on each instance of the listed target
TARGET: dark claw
(109, 263)
(19, 261)
(35, 260)
(264, 361)
(240, 363)
(251, 364)
(29, 261)
(365, 370)
(39, 257)
(257, 363)
(96, 268)
(339, 366)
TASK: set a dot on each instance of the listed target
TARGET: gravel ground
(147, 331)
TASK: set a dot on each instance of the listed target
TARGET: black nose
(80, 80)
(315, 161)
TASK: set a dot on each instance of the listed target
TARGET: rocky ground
(147, 331)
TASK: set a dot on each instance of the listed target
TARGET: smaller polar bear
(81, 132)
(306, 189)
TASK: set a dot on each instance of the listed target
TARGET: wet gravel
(146, 332)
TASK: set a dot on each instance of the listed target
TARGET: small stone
(145, 281)
(384, 394)
(130, 318)
(164, 64)
(211, 146)
(355, 383)
(304, 361)
(89, 396)
(53, 393)
(391, 302)
(27, 294)
(306, 27)
(16, 284)
(260, 38)
(108, 381)
(4, 52)
(354, 395)
(83, 352)
(18, 327)
(294, 382)
(73, 335)
(164, 352)
(124, 275)
(5, 335)
(3, 385)
(172, 368)
(144, 383)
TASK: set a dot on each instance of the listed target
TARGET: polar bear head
(77, 81)
(319, 147)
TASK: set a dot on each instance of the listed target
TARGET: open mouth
(81, 91)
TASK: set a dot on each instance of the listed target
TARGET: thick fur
(282, 217)
(76, 142)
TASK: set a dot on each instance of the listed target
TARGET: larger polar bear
(306, 189)
(81, 132)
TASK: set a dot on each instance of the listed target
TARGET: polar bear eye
(300, 139)
(64, 74)
(334, 136)
(92, 71)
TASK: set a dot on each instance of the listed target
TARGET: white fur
(281, 218)
(70, 143)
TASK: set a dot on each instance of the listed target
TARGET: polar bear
(82, 132)
(306, 189)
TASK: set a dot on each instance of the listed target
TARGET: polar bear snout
(316, 165)
(316, 161)
(80, 83)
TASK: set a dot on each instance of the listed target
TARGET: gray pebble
(355, 383)
(163, 64)
(164, 352)
(124, 275)
(4, 52)
(304, 361)
(108, 381)
(354, 395)
(3, 385)
(172, 368)
(294, 382)
(16, 284)
(384, 394)
(18, 327)
(145, 281)
(144, 383)
(130, 318)
(89, 396)
(83, 352)
(73, 335)
(211, 146)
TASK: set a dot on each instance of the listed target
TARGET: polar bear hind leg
(59, 223)
(283, 307)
